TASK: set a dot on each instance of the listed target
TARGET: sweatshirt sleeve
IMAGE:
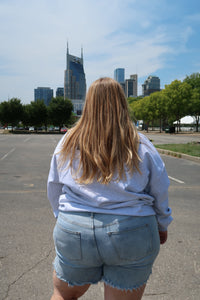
(158, 187)
(159, 190)
(54, 187)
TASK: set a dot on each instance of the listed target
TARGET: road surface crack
(25, 272)
(155, 294)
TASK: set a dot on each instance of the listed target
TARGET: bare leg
(62, 291)
(116, 294)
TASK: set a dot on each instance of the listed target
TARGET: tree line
(176, 100)
(36, 114)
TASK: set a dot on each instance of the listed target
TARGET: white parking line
(27, 139)
(7, 153)
(176, 180)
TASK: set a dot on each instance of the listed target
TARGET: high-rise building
(74, 82)
(43, 93)
(131, 86)
(151, 85)
(119, 75)
(60, 92)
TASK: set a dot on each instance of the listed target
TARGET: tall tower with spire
(74, 81)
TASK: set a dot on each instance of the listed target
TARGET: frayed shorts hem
(105, 281)
(130, 288)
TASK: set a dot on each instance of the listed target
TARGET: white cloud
(113, 34)
(186, 34)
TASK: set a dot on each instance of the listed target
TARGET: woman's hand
(163, 237)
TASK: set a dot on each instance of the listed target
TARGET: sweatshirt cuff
(163, 224)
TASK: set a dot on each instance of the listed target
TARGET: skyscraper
(119, 75)
(60, 92)
(131, 86)
(43, 93)
(74, 81)
(151, 85)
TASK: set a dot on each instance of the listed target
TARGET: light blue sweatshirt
(139, 195)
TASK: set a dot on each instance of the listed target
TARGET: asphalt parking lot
(26, 224)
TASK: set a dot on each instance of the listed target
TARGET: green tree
(136, 107)
(4, 112)
(143, 110)
(59, 111)
(150, 110)
(11, 112)
(131, 104)
(193, 80)
(195, 106)
(35, 114)
(131, 113)
(133, 99)
(27, 113)
(159, 100)
(178, 94)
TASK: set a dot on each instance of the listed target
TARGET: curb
(178, 155)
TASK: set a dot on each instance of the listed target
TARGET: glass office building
(119, 75)
(74, 82)
(151, 85)
(131, 86)
(43, 93)
(60, 92)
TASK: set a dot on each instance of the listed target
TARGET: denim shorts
(92, 247)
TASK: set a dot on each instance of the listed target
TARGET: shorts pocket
(67, 243)
(132, 244)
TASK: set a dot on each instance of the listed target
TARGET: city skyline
(158, 38)
(74, 79)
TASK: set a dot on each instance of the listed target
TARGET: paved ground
(26, 224)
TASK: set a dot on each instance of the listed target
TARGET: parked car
(63, 129)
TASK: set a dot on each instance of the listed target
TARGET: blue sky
(147, 37)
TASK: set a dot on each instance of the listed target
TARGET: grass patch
(192, 149)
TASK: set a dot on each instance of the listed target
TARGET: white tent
(186, 120)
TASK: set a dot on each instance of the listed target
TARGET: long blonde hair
(104, 135)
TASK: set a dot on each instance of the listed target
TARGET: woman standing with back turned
(108, 189)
